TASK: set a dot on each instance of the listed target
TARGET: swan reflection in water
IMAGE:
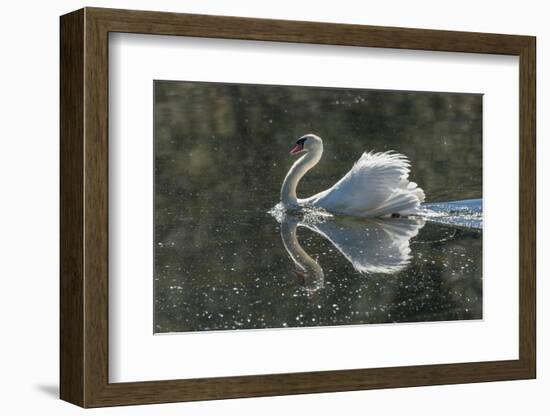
(371, 246)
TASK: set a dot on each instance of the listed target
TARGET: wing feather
(376, 183)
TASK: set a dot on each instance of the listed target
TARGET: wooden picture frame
(84, 207)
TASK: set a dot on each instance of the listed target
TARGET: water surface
(225, 260)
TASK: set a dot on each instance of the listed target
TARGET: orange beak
(296, 149)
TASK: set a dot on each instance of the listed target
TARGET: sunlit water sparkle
(223, 262)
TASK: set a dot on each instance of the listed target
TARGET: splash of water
(310, 215)
(466, 213)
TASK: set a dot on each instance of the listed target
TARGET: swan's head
(307, 143)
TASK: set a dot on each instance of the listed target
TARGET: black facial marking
(301, 141)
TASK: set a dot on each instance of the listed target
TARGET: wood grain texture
(96, 218)
(71, 100)
(84, 207)
(527, 208)
(162, 23)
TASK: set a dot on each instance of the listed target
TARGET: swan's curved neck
(314, 276)
(296, 172)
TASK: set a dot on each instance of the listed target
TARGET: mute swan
(376, 186)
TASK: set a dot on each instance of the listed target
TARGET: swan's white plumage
(377, 185)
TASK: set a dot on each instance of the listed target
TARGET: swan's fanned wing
(376, 185)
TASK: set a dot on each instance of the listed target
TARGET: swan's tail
(403, 202)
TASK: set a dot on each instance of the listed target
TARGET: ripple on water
(466, 213)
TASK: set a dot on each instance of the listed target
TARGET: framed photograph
(256, 207)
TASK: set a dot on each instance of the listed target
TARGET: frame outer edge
(72, 342)
(84, 208)
(528, 208)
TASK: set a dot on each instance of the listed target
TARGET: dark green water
(223, 261)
